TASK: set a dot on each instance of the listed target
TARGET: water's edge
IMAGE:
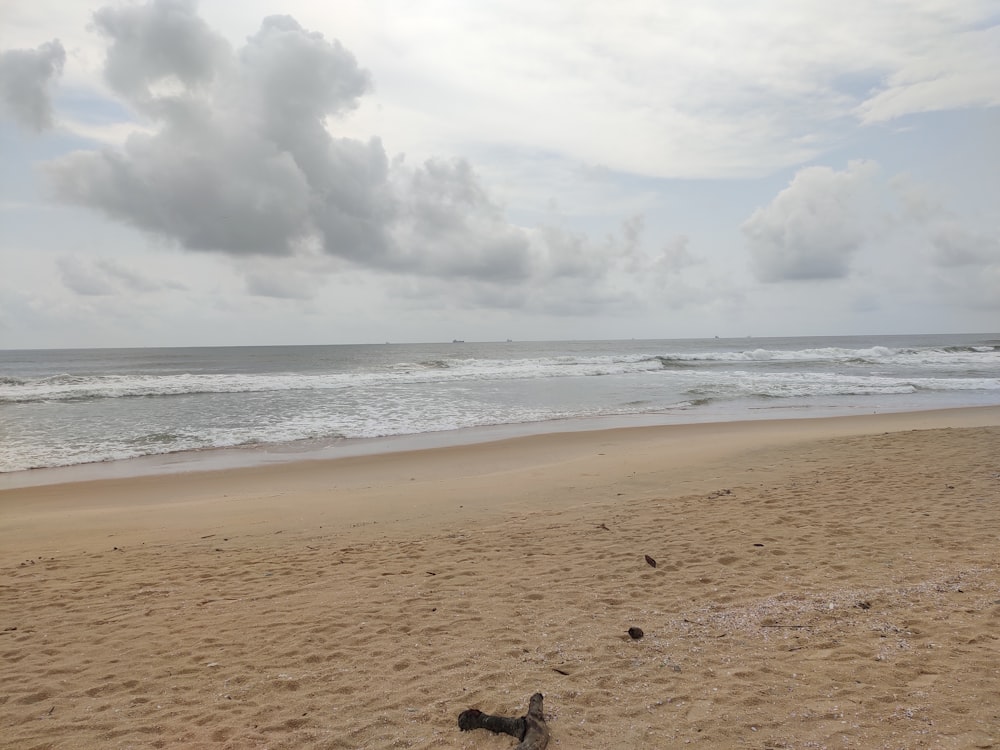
(222, 459)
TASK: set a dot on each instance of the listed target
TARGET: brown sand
(818, 583)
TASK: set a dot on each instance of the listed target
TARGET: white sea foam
(65, 387)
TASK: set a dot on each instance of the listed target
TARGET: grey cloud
(25, 76)
(299, 74)
(570, 255)
(955, 245)
(675, 256)
(566, 254)
(279, 286)
(955, 242)
(241, 160)
(134, 281)
(291, 80)
(82, 279)
(450, 226)
(973, 287)
(280, 278)
(813, 227)
(161, 42)
(599, 301)
(105, 277)
(460, 294)
(632, 232)
(206, 190)
(632, 229)
(918, 201)
(565, 274)
(562, 298)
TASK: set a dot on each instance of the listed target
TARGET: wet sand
(818, 583)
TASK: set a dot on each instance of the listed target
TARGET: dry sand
(818, 583)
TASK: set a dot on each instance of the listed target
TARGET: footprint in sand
(923, 681)
(820, 653)
(699, 710)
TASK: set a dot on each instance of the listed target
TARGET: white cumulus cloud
(812, 228)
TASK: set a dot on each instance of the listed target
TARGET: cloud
(675, 90)
(956, 242)
(242, 163)
(280, 279)
(947, 71)
(81, 278)
(296, 286)
(25, 78)
(134, 281)
(813, 227)
(566, 274)
(675, 256)
(956, 245)
(962, 250)
(447, 224)
(104, 277)
(160, 44)
(241, 160)
(971, 287)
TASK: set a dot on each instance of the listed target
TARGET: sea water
(70, 407)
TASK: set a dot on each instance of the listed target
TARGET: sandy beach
(821, 583)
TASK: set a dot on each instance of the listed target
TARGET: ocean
(63, 408)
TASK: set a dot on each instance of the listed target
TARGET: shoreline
(251, 456)
(419, 486)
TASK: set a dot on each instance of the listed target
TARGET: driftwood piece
(530, 729)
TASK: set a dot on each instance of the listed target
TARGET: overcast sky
(182, 173)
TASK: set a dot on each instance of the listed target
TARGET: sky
(176, 173)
